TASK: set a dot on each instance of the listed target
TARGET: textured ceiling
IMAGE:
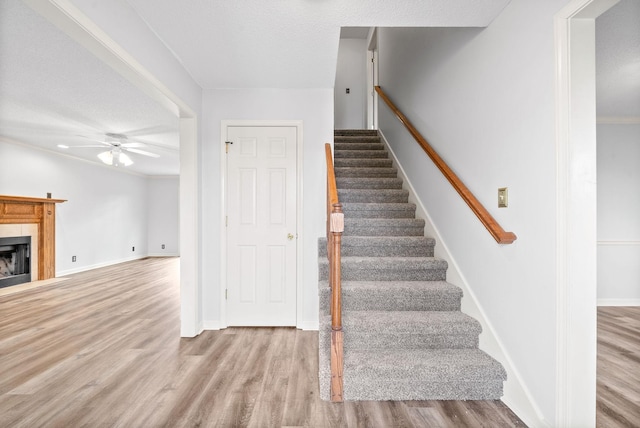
(286, 43)
(53, 91)
(618, 61)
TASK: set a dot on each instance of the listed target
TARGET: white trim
(298, 124)
(516, 393)
(372, 78)
(618, 302)
(617, 243)
(98, 265)
(211, 325)
(66, 16)
(309, 325)
(171, 254)
(574, 44)
(618, 120)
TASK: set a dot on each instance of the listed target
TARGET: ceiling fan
(116, 145)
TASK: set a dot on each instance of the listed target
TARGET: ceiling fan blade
(94, 139)
(142, 152)
(133, 145)
(152, 144)
(91, 145)
(151, 130)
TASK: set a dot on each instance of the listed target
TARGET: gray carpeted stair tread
(405, 337)
(360, 154)
(422, 374)
(394, 296)
(355, 132)
(410, 322)
(362, 171)
(383, 246)
(368, 183)
(358, 146)
(362, 163)
(427, 364)
(384, 227)
(404, 330)
(375, 195)
(379, 210)
(388, 268)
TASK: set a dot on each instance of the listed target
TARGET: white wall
(163, 200)
(314, 107)
(485, 101)
(619, 214)
(107, 210)
(351, 72)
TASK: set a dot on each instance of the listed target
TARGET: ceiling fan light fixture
(125, 160)
(115, 158)
(106, 157)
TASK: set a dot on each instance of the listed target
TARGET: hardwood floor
(102, 349)
(618, 387)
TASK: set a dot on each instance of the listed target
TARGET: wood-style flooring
(102, 349)
(618, 387)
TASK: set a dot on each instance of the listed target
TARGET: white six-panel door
(261, 226)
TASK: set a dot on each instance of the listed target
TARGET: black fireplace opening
(15, 260)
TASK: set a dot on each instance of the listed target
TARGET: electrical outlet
(163, 246)
(73, 259)
(133, 248)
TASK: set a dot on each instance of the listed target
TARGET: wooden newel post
(336, 229)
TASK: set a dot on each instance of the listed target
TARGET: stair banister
(335, 227)
(498, 233)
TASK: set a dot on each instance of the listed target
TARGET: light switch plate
(503, 197)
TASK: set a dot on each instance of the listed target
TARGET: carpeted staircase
(404, 335)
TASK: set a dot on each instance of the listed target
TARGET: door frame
(224, 125)
(576, 237)
(372, 78)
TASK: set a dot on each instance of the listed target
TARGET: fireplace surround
(25, 212)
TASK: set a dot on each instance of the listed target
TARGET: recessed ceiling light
(63, 146)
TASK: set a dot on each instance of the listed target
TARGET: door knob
(290, 237)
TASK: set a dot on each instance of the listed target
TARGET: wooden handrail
(479, 210)
(335, 227)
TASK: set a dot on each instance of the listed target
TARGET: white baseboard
(618, 302)
(164, 254)
(97, 265)
(309, 325)
(211, 325)
(516, 393)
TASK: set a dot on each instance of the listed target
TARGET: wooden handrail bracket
(335, 227)
(498, 233)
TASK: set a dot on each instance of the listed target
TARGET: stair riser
(381, 247)
(361, 154)
(373, 341)
(377, 389)
(369, 183)
(357, 139)
(351, 230)
(366, 172)
(356, 210)
(390, 300)
(382, 251)
(387, 251)
(362, 163)
(366, 196)
(355, 132)
(371, 274)
(353, 214)
(357, 146)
